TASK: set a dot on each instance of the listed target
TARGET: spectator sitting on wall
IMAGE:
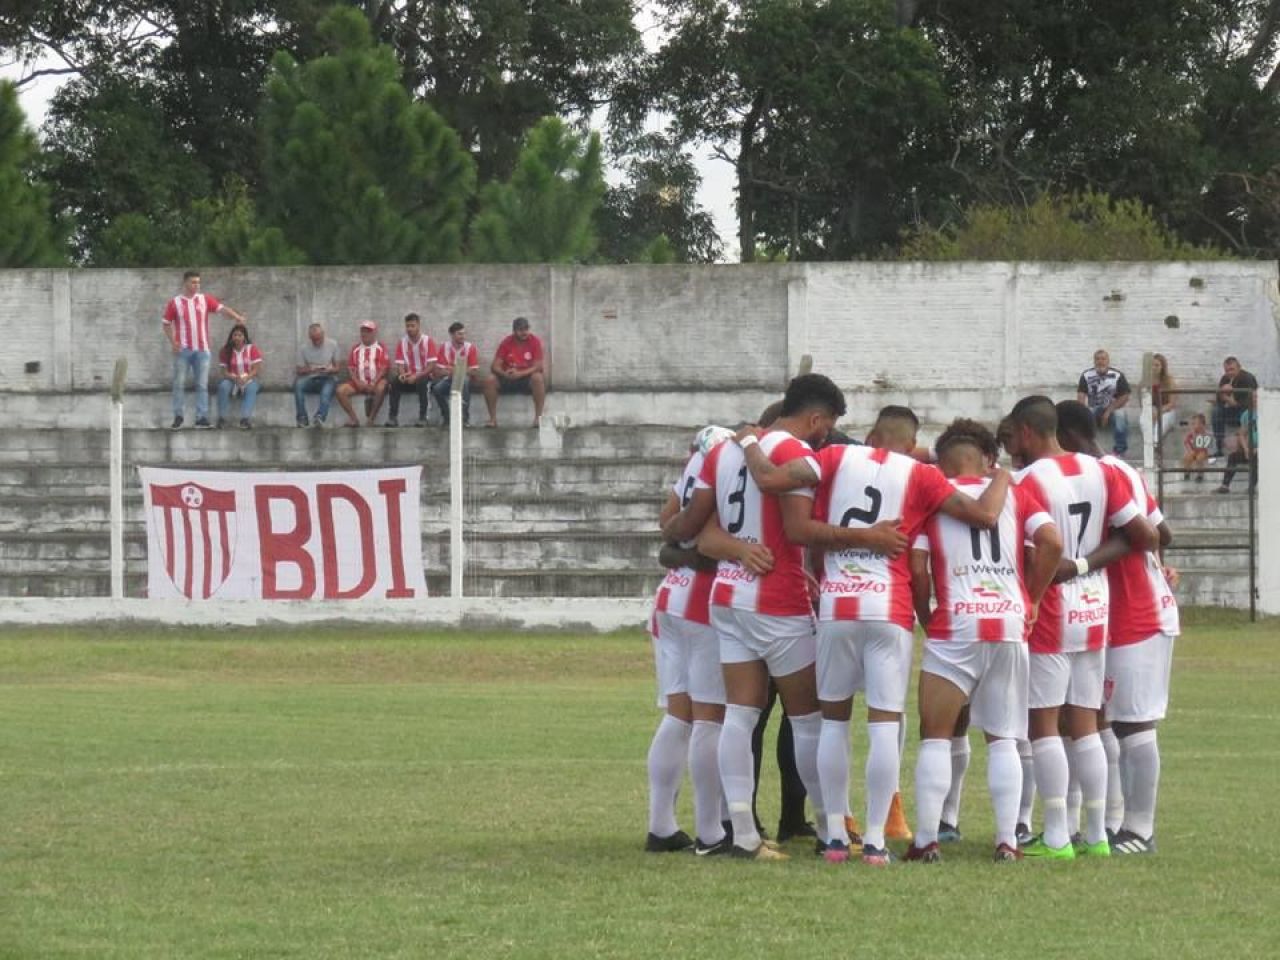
(1246, 452)
(1195, 447)
(1105, 391)
(317, 372)
(240, 361)
(457, 345)
(186, 325)
(1234, 388)
(1163, 393)
(516, 368)
(367, 375)
(415, 363)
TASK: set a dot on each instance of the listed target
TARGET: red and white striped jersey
(415, 357)
(1084, 497)
(191, 314)
(367, 363)
(978, 575)
(860, 487)
(686, 592)
(236, 362)
(449, 354)
(1142, 603)
(748, 514)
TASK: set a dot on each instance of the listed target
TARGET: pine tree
(28, 236)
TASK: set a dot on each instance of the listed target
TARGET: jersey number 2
(867, 516)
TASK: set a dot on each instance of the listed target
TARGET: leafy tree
(654, 216)
(28, 237)
(545, 212)
(354, 170)
(1079, 226)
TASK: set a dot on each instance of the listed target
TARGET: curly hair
(963, 430)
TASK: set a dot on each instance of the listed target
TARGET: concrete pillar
(61, 335)
(1012, 379)
(797, 325)
(562, 328)
(1268, 501)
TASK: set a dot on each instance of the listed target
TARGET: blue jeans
(1119, 426)
(198, 361)
(322, 383)
(441, 390)
(246, 404)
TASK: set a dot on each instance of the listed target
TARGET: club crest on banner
(196, 531)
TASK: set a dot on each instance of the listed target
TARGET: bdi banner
(342, 535)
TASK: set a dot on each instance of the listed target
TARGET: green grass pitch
(368, 793)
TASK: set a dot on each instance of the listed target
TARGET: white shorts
(1137, 680)
(992, 675)
(870, 655)
(785, 644)
(1066, 678)
(696, 653)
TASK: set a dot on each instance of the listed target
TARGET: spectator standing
(1164, 393)
(1246, 453)
(240, 361)
(457, 345)
(1105, 391)
(1234, 390)
(367, 375)
(517, 368)
(317, 372)
(1195, 447)
(186, 325)
(414, 364)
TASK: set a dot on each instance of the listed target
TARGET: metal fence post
(456, 557)
(117, 478)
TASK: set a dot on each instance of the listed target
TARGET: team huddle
(1048, 616)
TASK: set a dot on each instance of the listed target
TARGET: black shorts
(519, 385)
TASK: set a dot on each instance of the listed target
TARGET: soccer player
(976, 651)
(1084, 497)
(865, 610)
(765, 622)
(689, 680)
(1144, 623)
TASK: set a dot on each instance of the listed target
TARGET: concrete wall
(964, 333)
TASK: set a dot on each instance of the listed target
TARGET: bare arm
(686, 524)
(674, 557)
(670, 507)
(1141, 534)
(921, 586)
(1043, 561)
(800, 527)
(714, 542)
(793, 475)
(983, 512)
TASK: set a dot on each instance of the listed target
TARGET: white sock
(1051, 781)
(668, 752)
(960, 754)
(1004, 779)
(737, 772)
(805, 731)
(933, 779)
(1074, 795)
(1027, 802)
(833, 772)
(1090, 762)
(704, 771)
(1140, 758)
(883, 762)
(1115, 789)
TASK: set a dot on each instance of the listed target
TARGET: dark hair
(224, 355)
(812, 390)
(190, 274)
(456, 326)
(519, 323)
(412, 316)
(1037, 413)
(1075, 419)
(963, 430)
(895, 412)
(1234, 360)
(770, 414)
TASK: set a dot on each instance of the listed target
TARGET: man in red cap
(366, 369)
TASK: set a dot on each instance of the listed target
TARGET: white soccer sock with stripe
(833, 773)
(960, 755)
(1051, 781)
(883, 765)
(1027, 802)
(1074, 796)
(805, 733)
(668, 752)
(704, 771)
(1090, 763)
(1140, 757)
(1115, 788)
(737, 772)
(933, 779)
(1004, 780)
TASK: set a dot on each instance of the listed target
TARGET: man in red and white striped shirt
(186, 326)
(1144, 623)
(367, 375)
(457, 345)
(414, 365)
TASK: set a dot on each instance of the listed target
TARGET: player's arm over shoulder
(791, 466)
